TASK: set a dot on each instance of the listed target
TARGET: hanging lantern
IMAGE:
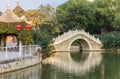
(27, 27)
(19, 27)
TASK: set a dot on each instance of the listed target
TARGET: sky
(29, 4)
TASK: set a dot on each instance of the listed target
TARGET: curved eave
(9, 17)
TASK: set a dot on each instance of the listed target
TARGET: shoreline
(19, 64)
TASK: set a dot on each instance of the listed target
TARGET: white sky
(28, 4)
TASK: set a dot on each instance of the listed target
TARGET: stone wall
(19, 64)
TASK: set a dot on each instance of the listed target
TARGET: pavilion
(9, 35)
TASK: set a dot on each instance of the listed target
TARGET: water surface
(75, 65)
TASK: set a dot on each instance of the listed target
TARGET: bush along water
(110, 40)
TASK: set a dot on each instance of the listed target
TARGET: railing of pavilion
(16, 57)
(16, 52)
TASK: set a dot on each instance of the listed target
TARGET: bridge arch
(84, 43)
(64, 41)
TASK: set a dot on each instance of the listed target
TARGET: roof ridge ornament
(9, 16)
(17, 3)
(8, 6)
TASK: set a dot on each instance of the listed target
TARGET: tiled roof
(18, 10)
(9, 16)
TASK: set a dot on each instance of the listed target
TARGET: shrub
(111, 40)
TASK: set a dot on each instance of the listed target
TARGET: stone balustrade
(72, 33)
(12, 59)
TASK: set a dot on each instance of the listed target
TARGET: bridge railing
(92, 37)
(15, 52)
(71, 33)
(64, 35)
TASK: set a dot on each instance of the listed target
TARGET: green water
(100, 66)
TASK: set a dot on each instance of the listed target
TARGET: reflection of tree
(102, 71)
(79, 56)
(111, 65)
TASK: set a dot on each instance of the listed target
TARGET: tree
(44, 39)
(34, 16)
(75, 14)
(105, 12)
(91, 16)
(116, 22)
(46, 20)
(45, 27)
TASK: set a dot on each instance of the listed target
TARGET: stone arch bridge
(88, 42)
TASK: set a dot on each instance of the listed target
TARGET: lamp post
(21, 27)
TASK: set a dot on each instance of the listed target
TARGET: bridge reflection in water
(67, 62)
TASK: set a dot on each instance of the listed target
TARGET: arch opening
(79, 45)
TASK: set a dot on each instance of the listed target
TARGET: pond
(75, 65)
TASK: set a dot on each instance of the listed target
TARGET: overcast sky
(28, 4)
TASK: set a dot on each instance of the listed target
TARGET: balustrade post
(30, 49)
(6, 54)
(36, 47)
(64, 33)
(20, 48)
(83, 30)
(76, 31)
(98, 38)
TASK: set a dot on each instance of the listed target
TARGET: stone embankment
(19, 63)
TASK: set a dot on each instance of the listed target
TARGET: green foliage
(104, 13)
(111, 40)
(51, 26)
(77, 56)
(10, 28)
(26, 36)
(46, 27)
(116, 23)
(44, 39)
(45, 19)
(91, 16)
(75, 14)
